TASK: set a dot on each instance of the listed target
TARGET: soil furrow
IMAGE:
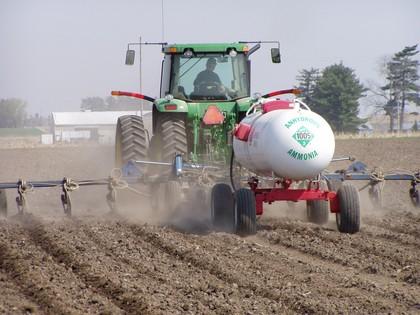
(32, 284)
(182, 252)
(396, 239)
(63, 253)
(342, 248)
(334, 280)
(13, 299)
(389, 288)
(283, 284)
(404, 223)
(183, 281)
(51, 285)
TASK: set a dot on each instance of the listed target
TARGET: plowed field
(136, 263)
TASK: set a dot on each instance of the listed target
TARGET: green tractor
(204, 93)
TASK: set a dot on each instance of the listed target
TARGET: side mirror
(129, 57)
(275, 55)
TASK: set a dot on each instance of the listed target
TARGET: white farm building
(90, 126)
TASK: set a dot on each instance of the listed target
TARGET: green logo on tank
(303, 136)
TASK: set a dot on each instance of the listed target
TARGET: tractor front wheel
(348, 219)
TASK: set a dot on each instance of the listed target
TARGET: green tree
(125, 103)
(307, 80)
(95, 103)
(12, 113)
(112, 103)
(381, 101)
(402, 76)
(336, 97)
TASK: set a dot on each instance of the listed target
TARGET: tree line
(13, 115)
(112, 103)
(334, 92)
(13, 112)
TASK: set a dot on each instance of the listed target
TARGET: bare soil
(135, 263)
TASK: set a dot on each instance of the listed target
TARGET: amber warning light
(171, 107)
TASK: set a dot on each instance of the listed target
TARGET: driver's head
(211, 64)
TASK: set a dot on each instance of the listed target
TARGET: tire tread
(246, 218)
(349, 201)
(131, 139)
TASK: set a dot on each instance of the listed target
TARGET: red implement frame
(285, 193)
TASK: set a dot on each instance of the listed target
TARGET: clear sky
(53, 53)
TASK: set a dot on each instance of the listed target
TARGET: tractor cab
(204, 93)
(204, 72)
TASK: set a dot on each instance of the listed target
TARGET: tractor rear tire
(173, 138)
(348, 219)
(170, 138)
(3, 203)
(246, 217)
(130, 140)
(223, 208)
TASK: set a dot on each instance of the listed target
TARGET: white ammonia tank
(285, 139)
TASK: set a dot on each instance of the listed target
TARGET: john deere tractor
(204, 93)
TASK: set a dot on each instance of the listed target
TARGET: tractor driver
(207, 81)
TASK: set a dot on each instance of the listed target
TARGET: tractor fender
(164, 107)
(170, 106)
